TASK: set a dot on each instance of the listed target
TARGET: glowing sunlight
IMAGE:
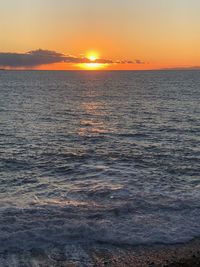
(93, 64)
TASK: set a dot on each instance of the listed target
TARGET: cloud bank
(40, 57)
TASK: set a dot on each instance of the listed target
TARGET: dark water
(94, 157)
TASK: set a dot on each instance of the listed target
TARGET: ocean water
(99, 158)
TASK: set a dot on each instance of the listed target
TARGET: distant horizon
(41, 59)
(110, 70)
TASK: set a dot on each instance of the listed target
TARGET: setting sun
(93, 63)
(92, 56)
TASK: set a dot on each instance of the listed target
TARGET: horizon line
(82, 70)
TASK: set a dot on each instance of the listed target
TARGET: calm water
(94, 157)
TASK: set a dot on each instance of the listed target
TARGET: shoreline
(177, 255)
(77, 255)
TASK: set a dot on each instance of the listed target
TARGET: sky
(122, 34)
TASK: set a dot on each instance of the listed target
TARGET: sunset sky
(99, 34)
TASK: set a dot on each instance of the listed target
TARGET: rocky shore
(181, 255)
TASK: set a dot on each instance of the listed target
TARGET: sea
(99, 157)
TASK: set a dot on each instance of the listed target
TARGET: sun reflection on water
(95, 122)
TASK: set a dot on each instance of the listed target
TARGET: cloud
(39, 57)
(138, 61)
(30, 59)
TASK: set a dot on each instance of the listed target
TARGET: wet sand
(182, 255)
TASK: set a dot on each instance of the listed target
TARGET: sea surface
(96, 157)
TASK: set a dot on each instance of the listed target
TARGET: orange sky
(161, 34)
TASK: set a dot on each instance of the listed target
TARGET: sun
(92, 63)
(92, 56)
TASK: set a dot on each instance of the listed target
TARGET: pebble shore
(181, 255)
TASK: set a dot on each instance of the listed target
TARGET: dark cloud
(41, 57)
(138, 61)
(30, 59)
